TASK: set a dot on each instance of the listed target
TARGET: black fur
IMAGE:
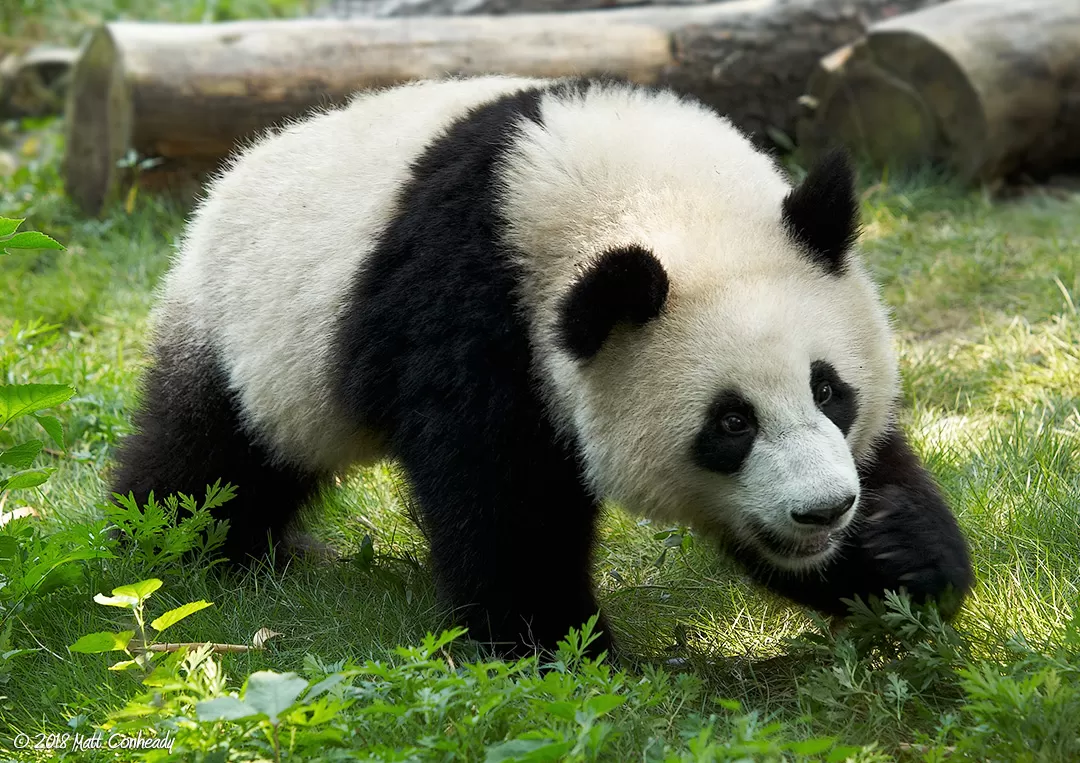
(623, 285)
(822, 213)
(823, 513)
(436, 356)
(904, 537)
(188, 435)
(843, 406)
(721, 451)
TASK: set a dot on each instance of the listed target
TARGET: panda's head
(732, 374)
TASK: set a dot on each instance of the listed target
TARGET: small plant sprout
(135, 643)
(137, 164)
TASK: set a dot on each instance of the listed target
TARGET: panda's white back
(265, 265)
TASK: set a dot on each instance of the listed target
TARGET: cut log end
(985, 88)
(98, 126)
(877, 116)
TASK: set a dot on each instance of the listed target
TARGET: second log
(986, 88)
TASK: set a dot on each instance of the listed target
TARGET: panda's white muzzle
(797, 493)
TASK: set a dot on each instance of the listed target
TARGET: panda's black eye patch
(727, 436)
(837, 399)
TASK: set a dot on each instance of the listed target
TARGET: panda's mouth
(806, 547)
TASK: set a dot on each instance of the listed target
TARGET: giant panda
(536, 296)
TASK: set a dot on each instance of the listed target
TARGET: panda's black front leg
(904, 537)
(511, 529)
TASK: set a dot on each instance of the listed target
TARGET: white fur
(264, 268)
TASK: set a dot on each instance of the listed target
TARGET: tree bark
(191, 92)
(987, 88)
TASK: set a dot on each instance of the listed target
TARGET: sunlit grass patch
(1001, 368)
(951, 260)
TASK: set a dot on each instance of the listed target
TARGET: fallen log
(187, 93)
(986, 88)
(381, 9)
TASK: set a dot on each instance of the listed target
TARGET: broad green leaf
(166, 675)
(9, 548)
(812, 746)
(324, 686)
(842, 753)
(273, 693)
(123, 665)
(62, 576)
(21, 455)
(224, 709)
(42, 569)
(174, 616)
(9, 225)
(603, 703)
(564, 710)
(22, 399)
(93, 643)
(139, 591)
(26, 479)
(528, 751)
(31, 239)
(53, 427)
(133, 710)
(124, 602)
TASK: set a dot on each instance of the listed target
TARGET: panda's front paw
(909, 545)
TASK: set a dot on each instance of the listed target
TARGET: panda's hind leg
(188, 434)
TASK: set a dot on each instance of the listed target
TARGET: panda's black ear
(822, 213)
(624, 285)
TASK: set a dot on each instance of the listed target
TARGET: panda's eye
(822, 393)
(733, 423)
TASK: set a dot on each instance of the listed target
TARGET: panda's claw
(917, 546)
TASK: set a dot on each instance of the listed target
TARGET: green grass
(64, 21)
(985, 296)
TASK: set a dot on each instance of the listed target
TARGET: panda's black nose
(823, 513)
